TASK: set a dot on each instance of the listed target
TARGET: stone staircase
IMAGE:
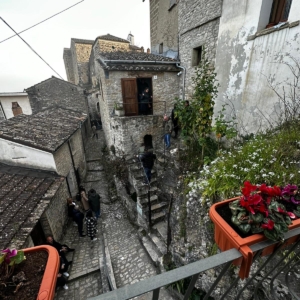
(158, 207)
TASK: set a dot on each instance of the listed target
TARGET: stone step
(143, 190)
(161, 246)
(144, 200)
(151, 249)
(162, 230)
(155, 218)
(156, 207)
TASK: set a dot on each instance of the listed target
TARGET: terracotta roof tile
(110, 37)
(24, 196)
(46, 130)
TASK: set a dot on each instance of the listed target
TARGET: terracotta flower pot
(227, 238)
(47, 288)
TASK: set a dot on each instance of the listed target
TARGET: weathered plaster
(243, 66)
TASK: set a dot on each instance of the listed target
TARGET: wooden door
(129, 92)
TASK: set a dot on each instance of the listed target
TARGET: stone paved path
(129, 259)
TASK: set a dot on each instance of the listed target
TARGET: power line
(41, 21)
(30, 47)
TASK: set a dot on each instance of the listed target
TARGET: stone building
(119, 72)
(13, 104)
(55, 91)
(33, 205)
(250, 45)
(50, 140)
(164, 27)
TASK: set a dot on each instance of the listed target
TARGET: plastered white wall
(16, 154)
(244, 66)
(23, 101)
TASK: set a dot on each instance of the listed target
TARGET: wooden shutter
(129, 92)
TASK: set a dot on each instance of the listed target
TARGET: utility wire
(30, 47)
(41, 22)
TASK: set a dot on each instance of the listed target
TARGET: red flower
(291, 215)
(269, 225)
(248, 188)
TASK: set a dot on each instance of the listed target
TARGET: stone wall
(164, 89)
(106, 46)
(54, 91)
(83, 52)
(63, 160)
(68, 60)
(164, 27)
(56, 217)
(198, 26)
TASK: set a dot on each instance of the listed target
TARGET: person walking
(167, 131)
(145, 102)
(175, 122)
(91, 225)
(84, 199)
(94, 202)
(94, 130)
(148, 159)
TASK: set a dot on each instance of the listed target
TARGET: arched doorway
(148, 141)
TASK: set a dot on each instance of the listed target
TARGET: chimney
(142, 49)
(148, 51)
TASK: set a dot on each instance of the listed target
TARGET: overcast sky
(20, 68)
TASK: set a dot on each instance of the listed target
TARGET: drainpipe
(183, 80)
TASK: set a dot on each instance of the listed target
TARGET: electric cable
(41, 22)
(30, 47)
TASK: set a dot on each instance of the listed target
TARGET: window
(279, 12)
(161, 48)
(196, 56)
(16, 109)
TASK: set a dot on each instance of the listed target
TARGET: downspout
(183, 80)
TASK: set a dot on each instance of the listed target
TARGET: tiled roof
(24, 196)
(53, 78)
(133, 55)
(136, 61)
(110, 37)
(82, 41)
(46, 130)
(133, 47)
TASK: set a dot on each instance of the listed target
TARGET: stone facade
(56, 92)
(198, 27)
(127, 131)
(251, 58)
(67, 56)
(164, 27)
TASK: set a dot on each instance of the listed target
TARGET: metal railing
(285, 265)
(146, 103)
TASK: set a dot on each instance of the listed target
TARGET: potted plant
(119, 110)
(21, 275)
(261, 213)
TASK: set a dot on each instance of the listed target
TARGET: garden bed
(33, 268)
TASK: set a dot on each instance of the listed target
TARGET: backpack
(78, 197)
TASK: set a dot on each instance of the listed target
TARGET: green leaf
(2, 257)
(18, 258)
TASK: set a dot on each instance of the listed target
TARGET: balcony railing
(286, 263)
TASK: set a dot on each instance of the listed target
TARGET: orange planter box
(227, 238)
(48, 284)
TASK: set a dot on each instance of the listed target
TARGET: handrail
(158, 281)
(194, 269)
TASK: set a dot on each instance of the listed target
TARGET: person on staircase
(148, 159)
(167, 131)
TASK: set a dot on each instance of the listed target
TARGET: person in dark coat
(94, 202)
(148, 162)
(61, 249)
(145, 102)
(91, 225)
(78, 217)
(175, 121)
